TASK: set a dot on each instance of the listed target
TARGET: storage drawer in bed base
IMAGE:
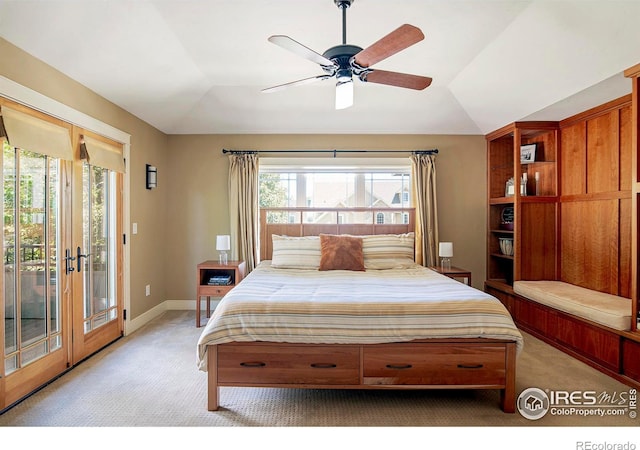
(442, 364)
(416, 364)
(288, 364)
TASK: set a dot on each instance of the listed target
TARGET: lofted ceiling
(192, 67)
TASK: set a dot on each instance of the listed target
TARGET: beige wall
(199, 203)
(148, 145)
(178, 221)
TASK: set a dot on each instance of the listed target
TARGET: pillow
(391, 263)
(341, 252)
(295, 252)
(388, 246)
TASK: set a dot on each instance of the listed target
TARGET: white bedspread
(344, 307)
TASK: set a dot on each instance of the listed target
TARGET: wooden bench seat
(588, 325)
(605, 309)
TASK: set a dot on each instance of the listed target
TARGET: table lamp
(446, 253)
(223, 244)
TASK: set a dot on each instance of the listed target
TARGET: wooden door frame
(28, 97)
(23, 95)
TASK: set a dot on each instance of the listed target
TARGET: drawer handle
(399, 366)
(470, 366)
(253, 364)
(324, 365)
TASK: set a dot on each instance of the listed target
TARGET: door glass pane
(99, 247)
(10, 298)
(54, 262)
(33, 192)
(31, 298)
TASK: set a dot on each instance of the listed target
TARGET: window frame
(355, 167)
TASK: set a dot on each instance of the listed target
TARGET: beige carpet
(150, 379)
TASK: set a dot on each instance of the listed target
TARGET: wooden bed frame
(423, 364)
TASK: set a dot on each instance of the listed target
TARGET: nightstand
(210, 273)
(454, 272)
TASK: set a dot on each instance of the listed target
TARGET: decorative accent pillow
(388, 247)
(341, 252)
(295, 252)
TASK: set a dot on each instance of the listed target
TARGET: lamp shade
(446, 249)
(223, 242)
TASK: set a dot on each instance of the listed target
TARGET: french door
(94, 259)
(62, 280)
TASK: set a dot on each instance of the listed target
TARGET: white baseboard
(180, 305)
(168, 305)
(146, 317)
(189, 305)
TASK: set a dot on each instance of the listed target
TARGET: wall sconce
(152, 177)
(446, 253)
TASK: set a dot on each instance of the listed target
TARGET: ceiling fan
(345, 61)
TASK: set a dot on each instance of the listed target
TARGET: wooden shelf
(539, 199)
(502, 231)
(538, 163)
(501, 200)
(534, 215)
(500, 255)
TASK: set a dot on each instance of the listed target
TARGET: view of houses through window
(336, 188)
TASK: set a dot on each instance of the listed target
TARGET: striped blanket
(344, 307)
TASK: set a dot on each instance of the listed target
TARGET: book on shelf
(219, 280)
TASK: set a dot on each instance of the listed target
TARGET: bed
(309, 316)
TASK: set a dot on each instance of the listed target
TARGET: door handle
(68, 268)
(79, 257)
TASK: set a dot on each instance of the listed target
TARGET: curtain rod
(334, 152)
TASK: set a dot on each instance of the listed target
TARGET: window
(385, 184)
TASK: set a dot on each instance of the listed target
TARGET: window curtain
(423, 174)
(243, 208)
(25, 131)
(102, 154)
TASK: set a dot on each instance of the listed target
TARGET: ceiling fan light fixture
(344, 94)
(345, 61)
(343, 75)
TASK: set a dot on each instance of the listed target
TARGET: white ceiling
(198, 66)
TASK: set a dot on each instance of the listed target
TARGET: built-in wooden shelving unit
(634, 74)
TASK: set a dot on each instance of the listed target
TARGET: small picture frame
(527, 153)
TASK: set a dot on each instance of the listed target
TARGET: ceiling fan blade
(295, 47)
(344, 94)
(296, 83)
(403, 37)
(403, 80)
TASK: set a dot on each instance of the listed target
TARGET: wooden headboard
(314, 221)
